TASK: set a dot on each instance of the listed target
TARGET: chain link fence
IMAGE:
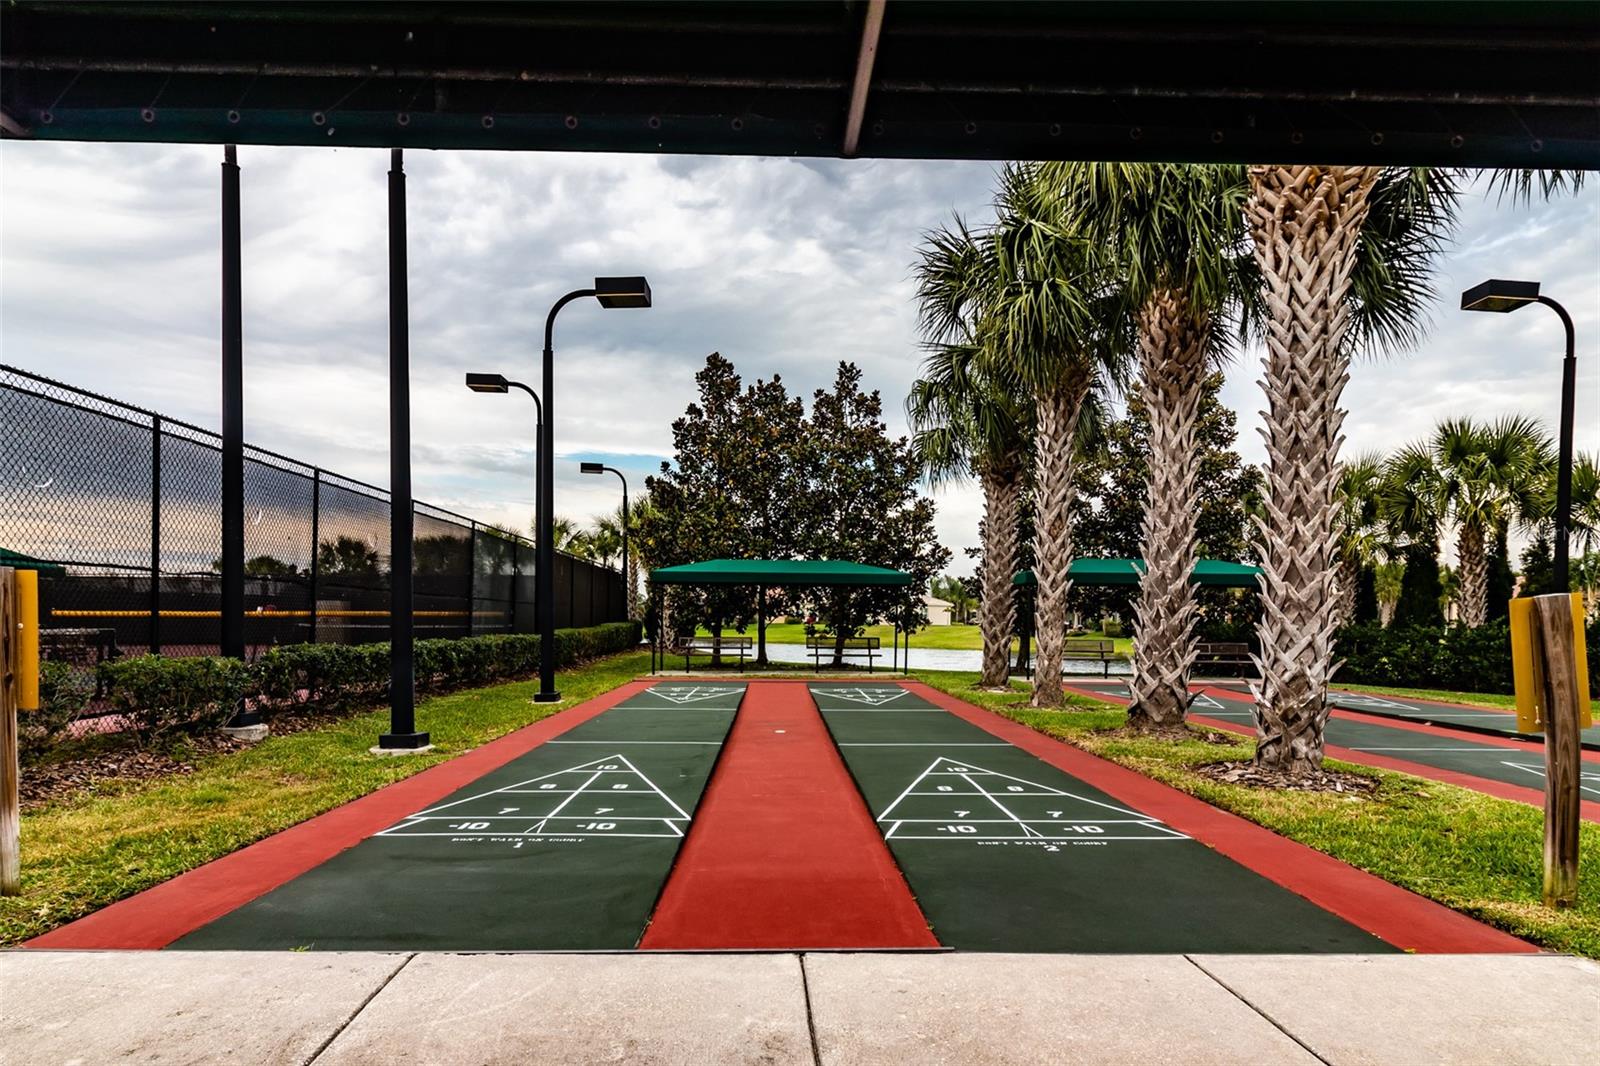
(123, 507)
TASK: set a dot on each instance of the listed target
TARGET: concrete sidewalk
(259, 1007)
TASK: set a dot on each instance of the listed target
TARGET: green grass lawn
(1479, 854)
(951, 638)
(80, 855)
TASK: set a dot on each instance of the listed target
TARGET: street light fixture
(619, 292)
(491, 383)
(627, 580)
(1503, 296)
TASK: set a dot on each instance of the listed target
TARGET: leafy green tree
(348, 557)
(863, 507)
(697, 513)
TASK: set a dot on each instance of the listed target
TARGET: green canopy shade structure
(1213, 572)
(18, 561)
(774, 573)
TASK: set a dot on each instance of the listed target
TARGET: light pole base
(402, 742)
(547, 697)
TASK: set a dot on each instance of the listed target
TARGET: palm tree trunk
(1349, 580)
(1058, 407)
(997, 617)
(1305, 223)
(1172, 363)
(1474, 565)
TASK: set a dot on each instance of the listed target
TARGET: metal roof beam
(868, 54)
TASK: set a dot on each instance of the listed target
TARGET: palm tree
(1175, 233)
(1386, 584)
(1053, 330)
(1485, 476)
(1344, 254)
(966, 421)
(1363, 538)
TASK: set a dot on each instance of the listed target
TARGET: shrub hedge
(165, 697)
(1442, 657)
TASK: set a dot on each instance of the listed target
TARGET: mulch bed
(118, 761)
(1252, 776)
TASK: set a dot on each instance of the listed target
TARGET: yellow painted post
(27, 640)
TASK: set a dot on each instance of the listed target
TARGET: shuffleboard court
(1456, 751)
(563, 848)
(1451, 715)
(1008, 853)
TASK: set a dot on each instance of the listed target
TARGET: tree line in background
(755, 475)
(1480, 482)
(1096, 281)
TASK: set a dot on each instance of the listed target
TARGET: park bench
(715, 647)
(869, 648)
(1103, 652)
(1210, 656)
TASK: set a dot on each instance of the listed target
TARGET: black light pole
(402, 734)
(231, 636)
(497, 383)
(1503, 296)
(611, 293)
(601, 468)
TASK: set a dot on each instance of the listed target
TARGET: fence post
(1556, 668)
(316, 542)
(516, 567)
(155, 535)
(472, 567)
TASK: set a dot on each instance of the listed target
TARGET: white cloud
(108, 280)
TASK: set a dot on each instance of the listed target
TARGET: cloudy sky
(108, 280)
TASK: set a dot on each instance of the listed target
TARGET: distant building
(940, 612)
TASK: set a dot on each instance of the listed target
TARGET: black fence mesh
(126, 505)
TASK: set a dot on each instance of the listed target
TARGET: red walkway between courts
(1589, 809)
(157, 916)
(783, 852)
(1388, 911)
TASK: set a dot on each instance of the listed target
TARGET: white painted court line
(1538, 771)
(874, 697)
(682, 694)
(632, 743)
(596, 769)
(1476, 750)
(962, 767)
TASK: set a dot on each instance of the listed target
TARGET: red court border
(1387, 911)
(1590, 809)
(160, 915)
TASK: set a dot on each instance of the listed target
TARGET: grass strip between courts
(1479, 854)
(81, 855)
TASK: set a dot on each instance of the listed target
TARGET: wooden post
(10, 811)
(1555, 669)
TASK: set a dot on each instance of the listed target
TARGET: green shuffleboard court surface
(1464, 753)
(1004, 852)
(566, 847)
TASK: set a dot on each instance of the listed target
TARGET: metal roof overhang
(1448, 83)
